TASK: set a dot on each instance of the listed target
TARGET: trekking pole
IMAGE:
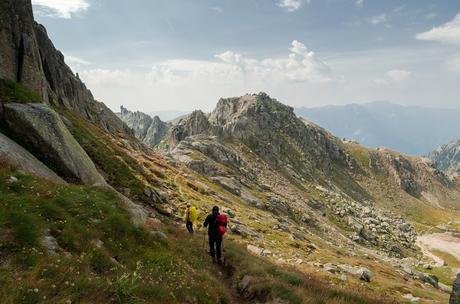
(204, 241)
(222, 249)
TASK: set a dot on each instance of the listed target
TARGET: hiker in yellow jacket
(190, 217)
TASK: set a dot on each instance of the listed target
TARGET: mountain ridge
(409, 129)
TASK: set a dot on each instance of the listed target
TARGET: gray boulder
(138, 215)
(43, 132)
(49, 242)
(455, 295)
(16, 156)
(361, 273)
(229, 184)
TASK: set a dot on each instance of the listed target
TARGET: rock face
(447, 158)
(43, 132)
(193, 124)
(16, 156)
(150, 130)
(28, 56)
(19, 52)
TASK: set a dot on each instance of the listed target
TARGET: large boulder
(138, 215)
(16, 156)
(455, 295)
(42, 131)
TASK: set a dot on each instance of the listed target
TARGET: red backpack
(222, 223)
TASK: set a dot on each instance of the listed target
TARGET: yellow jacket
(191, 215)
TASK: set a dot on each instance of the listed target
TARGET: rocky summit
(92, 203)
(150, 130)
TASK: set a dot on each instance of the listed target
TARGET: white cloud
(298, 48)
(76, 63)
(378, 19)
(301, 65)
(61, 8)
(230, 57)
(217, 9)
(359, 3)
(398, 77)
(179, 72)
(105, 78)
(447, 33)
(291, 5)
(198, 84)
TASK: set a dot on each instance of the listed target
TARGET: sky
(157, 55)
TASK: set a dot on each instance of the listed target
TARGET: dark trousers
(215, 246)
(189, 226)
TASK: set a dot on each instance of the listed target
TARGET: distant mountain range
(409, 129)
(169, 115)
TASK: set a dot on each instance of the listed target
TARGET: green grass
(271, 282)
(444, 274)
(451, 260)
(104, 258)
(11, 91)
(121, 170)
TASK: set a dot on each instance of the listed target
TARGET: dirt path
(445, 242)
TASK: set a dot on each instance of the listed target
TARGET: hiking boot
(219, 262)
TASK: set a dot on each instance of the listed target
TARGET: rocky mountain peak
(258, 109)
(150, 130)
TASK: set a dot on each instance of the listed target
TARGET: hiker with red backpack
(217, 226)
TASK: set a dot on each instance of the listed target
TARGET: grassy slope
(145, 269)
(130, 265)
(120, 170)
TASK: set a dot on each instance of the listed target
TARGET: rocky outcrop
(371, 225)
(16, 156)
(43, 132)
(28, 56)
(193, 124)
(150, 130)
(447, 158)
(268, 127)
